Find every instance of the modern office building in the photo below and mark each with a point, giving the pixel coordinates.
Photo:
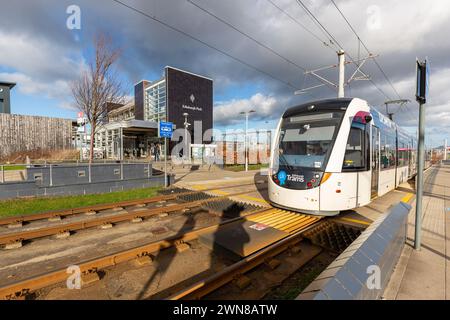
(177, 93)
(178, 96)
(5, 88)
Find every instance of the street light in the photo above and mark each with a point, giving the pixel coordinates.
(186, 125)
(245, 141)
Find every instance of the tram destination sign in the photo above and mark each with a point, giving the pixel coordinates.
(423, 78)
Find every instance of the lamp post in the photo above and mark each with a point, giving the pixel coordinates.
(245, 141)
(186, 125)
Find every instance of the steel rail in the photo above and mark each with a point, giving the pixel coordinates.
(22, 235)
(214, 282)
(100, 207)
(21, 288)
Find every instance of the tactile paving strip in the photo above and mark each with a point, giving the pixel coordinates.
(229, 208)
(287, 221)
(194, 197)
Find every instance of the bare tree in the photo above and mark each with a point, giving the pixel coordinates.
(97, 86)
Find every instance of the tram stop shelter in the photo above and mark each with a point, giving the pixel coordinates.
(127, 139)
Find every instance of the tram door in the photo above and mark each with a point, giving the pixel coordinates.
(375, 160)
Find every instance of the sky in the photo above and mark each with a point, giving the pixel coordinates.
(256, 51)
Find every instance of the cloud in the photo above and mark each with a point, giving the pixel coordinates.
(37, 46)
(57, 89)
(40, 67)
(228, 112)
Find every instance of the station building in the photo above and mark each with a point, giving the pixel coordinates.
(131, 128)
(5, 88)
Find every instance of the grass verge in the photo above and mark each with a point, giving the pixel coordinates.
(7, 167)
(241, 167)
(33, 205)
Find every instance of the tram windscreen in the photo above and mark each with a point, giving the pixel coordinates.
(306, 140)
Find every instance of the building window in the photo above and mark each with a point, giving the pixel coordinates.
(155, 102)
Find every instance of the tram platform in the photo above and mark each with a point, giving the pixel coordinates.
(425, 274)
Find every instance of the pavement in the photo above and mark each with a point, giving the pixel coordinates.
(218, 182)
(425, 274)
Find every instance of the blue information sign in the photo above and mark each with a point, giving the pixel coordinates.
(165, 129)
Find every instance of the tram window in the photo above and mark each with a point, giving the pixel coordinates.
(355, 150)
(383, 154)
(388, 152)
(402, 154)
(392, 152)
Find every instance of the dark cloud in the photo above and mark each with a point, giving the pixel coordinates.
(399, 31)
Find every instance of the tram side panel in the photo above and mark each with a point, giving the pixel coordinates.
(364, 188)
(386, 181)
(339, 192)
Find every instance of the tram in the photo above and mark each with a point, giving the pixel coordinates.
(337, 154)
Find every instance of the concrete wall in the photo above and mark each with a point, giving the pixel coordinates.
(352, 276)
(67, 181)
(10, 190)
(59, 175)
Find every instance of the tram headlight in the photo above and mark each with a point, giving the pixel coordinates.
(325, 177)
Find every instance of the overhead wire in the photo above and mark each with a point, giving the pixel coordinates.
(192, 37)
(312, 16)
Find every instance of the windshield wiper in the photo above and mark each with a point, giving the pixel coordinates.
(286, 163)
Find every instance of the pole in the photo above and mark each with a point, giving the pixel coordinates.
(445, 149)
(51, 175)
(165, 162)
(341, 59)
(245, 142)
(419, 179)
(121, 144)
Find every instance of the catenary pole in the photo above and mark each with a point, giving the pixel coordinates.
(419, 179)
(341, 59)
(421, 95)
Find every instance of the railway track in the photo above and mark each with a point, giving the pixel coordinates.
(90, 268)
(199, 199)
(169, 194)
(203, 287)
